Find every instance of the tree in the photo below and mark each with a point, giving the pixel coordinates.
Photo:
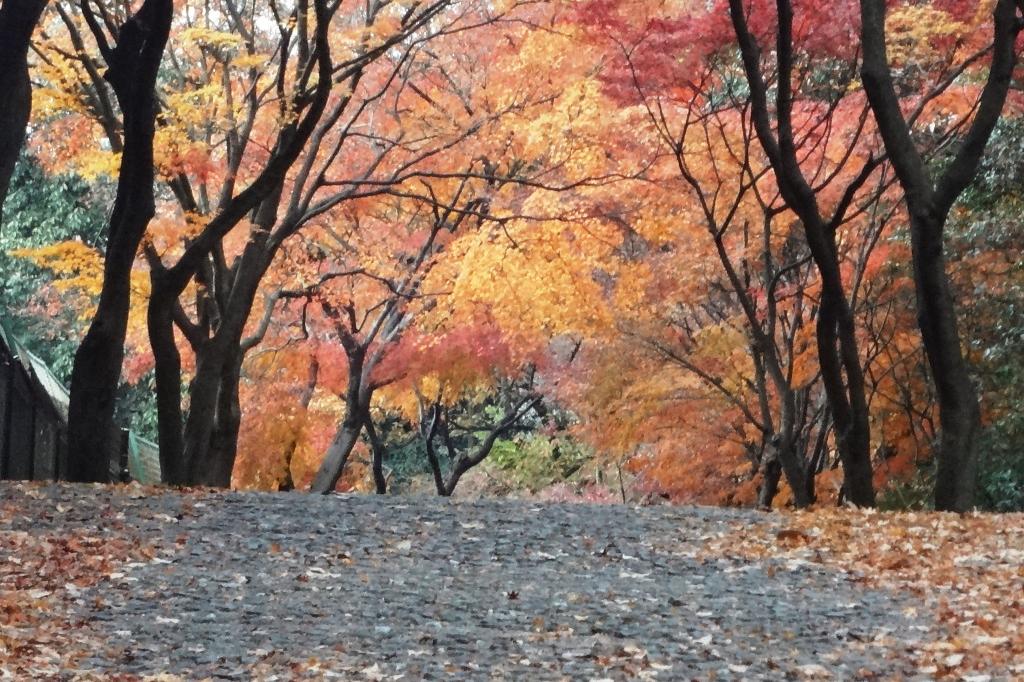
(468, 445)
(18, 19)
(706, 107)
(400, 115)
(838, 354)
(368, 335)
(929, 198)
(465, 384)
(132, 67)
(216, 337)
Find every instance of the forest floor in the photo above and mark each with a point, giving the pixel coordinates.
(125, 582)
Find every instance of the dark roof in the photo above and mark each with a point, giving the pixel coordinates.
(44, 380)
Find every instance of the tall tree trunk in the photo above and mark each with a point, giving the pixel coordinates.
(211, 429)
(133, 66)
(959, 412)
(204, 396)
(167, 371)
(214, 415)
(224, 437)
(929, 202)
(839, 358)
(18, 19)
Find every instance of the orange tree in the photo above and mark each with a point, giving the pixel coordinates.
(676, 68)
(268, 123)
(409, 111)
(819, 157)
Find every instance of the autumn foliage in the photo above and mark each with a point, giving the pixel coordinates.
(370, 217)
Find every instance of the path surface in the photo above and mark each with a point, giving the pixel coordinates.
(237, 586)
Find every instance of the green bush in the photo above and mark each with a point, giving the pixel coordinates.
(535, 461)
(1001, 471)
(913, 494)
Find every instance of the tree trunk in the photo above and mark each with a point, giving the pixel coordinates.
(929, 203)
(224, 438)
(18, 18)
(167, 370)
(380, 482)
(818, 457)
(356, 414)
(772, 473)
(429, 433)
(784, 451)
(959, 412)
(94, 381)
(132, 73)
(333, 466)
(214, 416)
(204, 398)
(847, 399)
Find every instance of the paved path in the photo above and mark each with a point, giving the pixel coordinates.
(283, 586)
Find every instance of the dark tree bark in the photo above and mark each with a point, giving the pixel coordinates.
(357, 407)
(18, 19)
(167, 370)
(378, 452)
(838, 355)
(211, 429)
(201, 447)
(214, 466)
(929, 201)
(132, 70)
(771, 469)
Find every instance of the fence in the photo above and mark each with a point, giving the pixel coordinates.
(34, 418)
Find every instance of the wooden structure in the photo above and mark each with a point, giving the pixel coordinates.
(33, 415)
(34, 418)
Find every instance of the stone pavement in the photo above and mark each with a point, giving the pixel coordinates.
(292, 586)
